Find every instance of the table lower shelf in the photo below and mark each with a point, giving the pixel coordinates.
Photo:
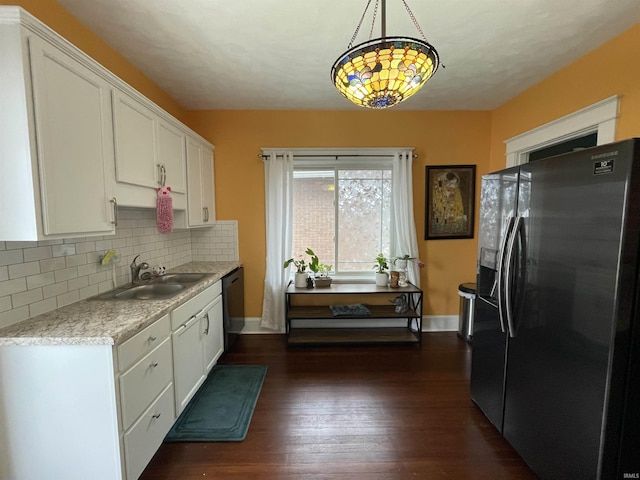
(324, 312)
(311, 336)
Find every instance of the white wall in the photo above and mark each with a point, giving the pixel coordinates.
(37, 277)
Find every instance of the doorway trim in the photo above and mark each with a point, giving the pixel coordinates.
(600, 117)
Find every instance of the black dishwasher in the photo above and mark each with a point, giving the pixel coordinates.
(233, 305)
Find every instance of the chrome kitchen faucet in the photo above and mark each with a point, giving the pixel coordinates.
(135, 270)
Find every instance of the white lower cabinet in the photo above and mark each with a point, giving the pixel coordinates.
(197, 342)
(145, 436)
(188, 361)
(142, 383)
(146, 394)
(213, 340)
(59, 413)
(99, 412)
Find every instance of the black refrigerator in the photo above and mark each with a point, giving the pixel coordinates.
(555, 360)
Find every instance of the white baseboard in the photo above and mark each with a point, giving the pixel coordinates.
(440, 323)
(430, 323)
(252, 326)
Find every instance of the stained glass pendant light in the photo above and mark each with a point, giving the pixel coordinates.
(385, 71)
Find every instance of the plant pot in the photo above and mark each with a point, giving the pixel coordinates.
(401, 267)
(382, 279)
(323, 282)
(300, 280)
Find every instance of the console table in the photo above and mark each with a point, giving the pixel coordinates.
(309, 319)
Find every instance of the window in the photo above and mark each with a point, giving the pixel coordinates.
(342, 211)
(366, 192)
(585, 141)
(599, 118)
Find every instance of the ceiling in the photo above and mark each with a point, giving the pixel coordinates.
(277, 54)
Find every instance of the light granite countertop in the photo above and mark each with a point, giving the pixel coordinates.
(108, 322)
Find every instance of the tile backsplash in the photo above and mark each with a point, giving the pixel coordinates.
(37, 277)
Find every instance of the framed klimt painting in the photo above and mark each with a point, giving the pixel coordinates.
(449, 201)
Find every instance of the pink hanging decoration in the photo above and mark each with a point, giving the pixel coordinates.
(165, 210)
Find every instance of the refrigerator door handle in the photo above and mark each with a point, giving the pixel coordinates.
(500, 282)
(508, 274)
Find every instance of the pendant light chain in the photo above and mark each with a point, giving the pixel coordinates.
(415, 22)
(355, 34)
(375, 13)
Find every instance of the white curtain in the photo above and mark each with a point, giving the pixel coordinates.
(404, 228)
(278, 175)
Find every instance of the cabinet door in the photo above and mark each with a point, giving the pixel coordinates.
(188, 361)
(208, 196)
(194, 193)
(201, 203)
(213, 338)
(135, 141)
(172, 156)
(74, 141)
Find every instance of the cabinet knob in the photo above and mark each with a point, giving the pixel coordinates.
(156, 415)
(154, 365)
(152, 339)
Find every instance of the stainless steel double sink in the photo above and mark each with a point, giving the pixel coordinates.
(158, 288)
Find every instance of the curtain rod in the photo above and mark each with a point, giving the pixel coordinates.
(279, 155)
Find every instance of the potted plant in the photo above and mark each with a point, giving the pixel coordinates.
(320, 270)
(314, 263)
(300, 280)
(401, 264)
(381, 266)
(323, 279)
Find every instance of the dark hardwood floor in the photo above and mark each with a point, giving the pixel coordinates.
(383, 412)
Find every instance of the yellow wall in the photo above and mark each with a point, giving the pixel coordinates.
(440, 138)
(61, 21)
(612, 69)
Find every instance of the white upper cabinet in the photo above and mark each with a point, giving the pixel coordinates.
(150, 151)
(201, 210)
(76, 141)
(134, 131)
(56, 146)
(172, 156)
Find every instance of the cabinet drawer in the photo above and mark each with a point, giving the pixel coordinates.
(142, 343)
(144, 381)
(195, 305)
(145, 436)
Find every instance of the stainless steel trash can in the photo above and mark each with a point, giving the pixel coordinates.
(467, 292)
